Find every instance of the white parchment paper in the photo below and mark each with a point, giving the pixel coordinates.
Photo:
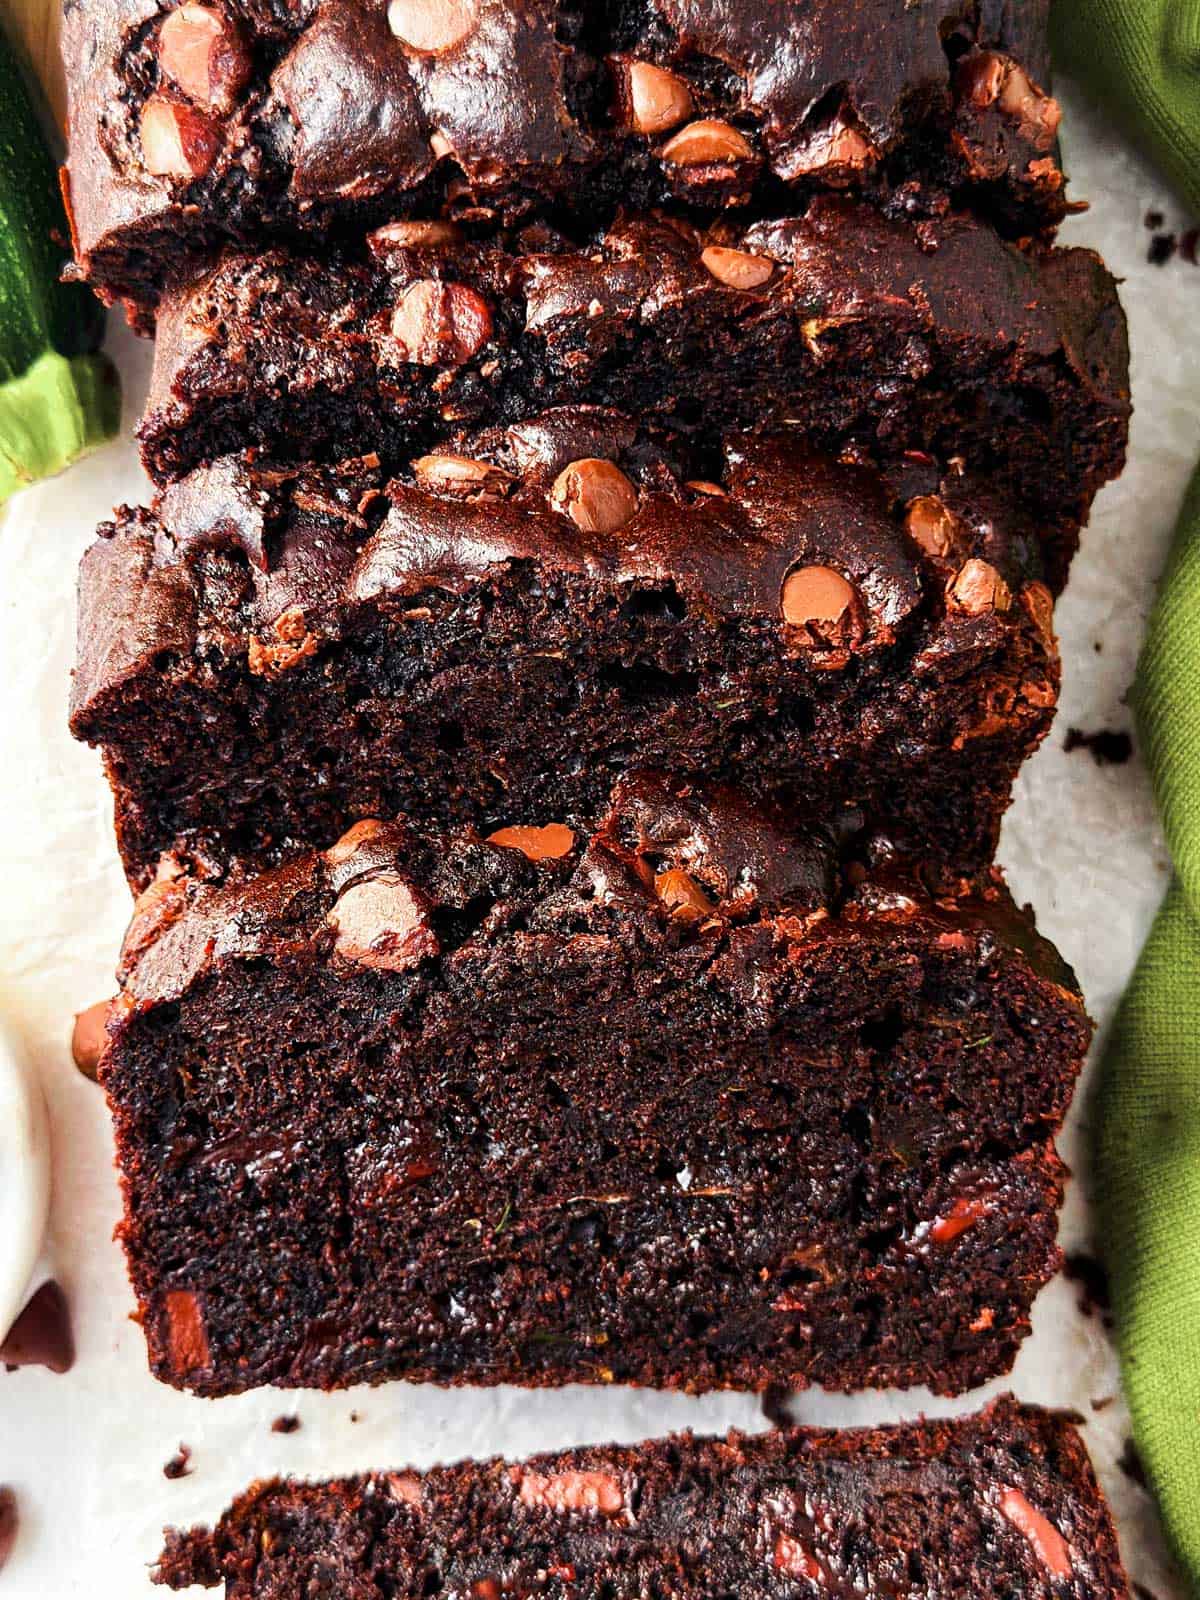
(85, 1452)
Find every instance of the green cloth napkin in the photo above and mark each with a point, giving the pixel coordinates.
(1142, 59)
(1147, 1137)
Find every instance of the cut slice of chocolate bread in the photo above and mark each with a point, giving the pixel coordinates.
(888, 335)
(983, 1507)
(198, 123)
(271, 654)
(687, 1103)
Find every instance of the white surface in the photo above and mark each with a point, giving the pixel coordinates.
(24, 1174)
(85, 1452)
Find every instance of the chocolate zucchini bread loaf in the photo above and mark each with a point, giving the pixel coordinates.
(694, 1101)
(241, 121)
(273, 653)
(985, 1507)
(889, 335)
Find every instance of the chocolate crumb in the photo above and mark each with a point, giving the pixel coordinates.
(1090, 1275)
(285, 1425)
(179, 1465)
(1187, 245)
(1108, 747)
(1154, 220)
(354, 1416)
(1103, 1403)
(774, 1405)
(1130, 1463)
(1162, 247)
(41, 1335)
(8, 1523)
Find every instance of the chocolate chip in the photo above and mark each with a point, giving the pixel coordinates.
(405, 1488)
(381, 922)
(837, 148)
(413, 236)
(362, 834)
(460, 476)
(822, 602)
(933, 527)
(179, 1466)
(737, 268)
(41, 1336)
(177, 140)
(980, 78)
(1037, 113)
(88, 1038)
(706, 143)
(1039, 603)
(595, 494)
(572, 1491)
(790, 1557)
(285, 1425)
(550, 843)
(292, 643)
(155, 909)
(202, 52)
(963, 1214)
(187, 1340)
(654, 99)
(433, 26)
(441, 324)
(682, 896)
(1051, 1549)
(978, 588)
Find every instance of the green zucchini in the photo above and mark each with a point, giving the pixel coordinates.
(59, 395)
